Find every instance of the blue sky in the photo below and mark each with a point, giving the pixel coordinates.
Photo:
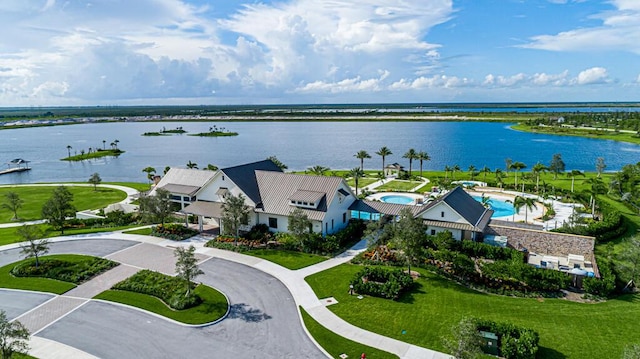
(130, 52)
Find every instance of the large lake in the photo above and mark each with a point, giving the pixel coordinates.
(297, 144)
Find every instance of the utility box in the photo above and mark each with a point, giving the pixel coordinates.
(490, 343)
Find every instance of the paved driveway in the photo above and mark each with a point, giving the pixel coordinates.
(263, 321)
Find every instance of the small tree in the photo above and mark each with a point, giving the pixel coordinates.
(557, 165)
(157, 207)
(13, 337)
(187, 266)
(34, 246)
(150, 171)
(95, 180)
(13, 203)
(356, 173)
(600, 165)
(59, 207)
(466, 342)
(409, 236)
(299, 224)
(234, 213)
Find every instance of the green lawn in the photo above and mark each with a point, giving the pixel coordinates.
(362, 182)
(36, 283)
(288, 259)
(567, 329)
(397, 185)
(337, 345)
(213, 307)
(142, 231)
(35, 196)
(136, 185)
(576, 132)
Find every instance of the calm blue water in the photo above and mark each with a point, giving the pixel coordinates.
(298, 144)
(397, 199)
(500, 208)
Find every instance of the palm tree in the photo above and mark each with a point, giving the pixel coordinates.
(150, 171)
(447, 169)
(454, 169)
(361, 155)
(499, 177)
(472, 171)
(537, 169)
(485, 201)
(485, 170)
(356, 173)
(318, 170)
(192, 165)
(115, 143)
(527, 203)
(517, 166)
(410, 155)
(422, 156)
(69, 150)
(384, 152)
(104, 144)
(573, 174)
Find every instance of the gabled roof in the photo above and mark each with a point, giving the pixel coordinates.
(276, 188)
(181, 189)
(392, 209)
(184, 177)
(244, 177)
(460, 201)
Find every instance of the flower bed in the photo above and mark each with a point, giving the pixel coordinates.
(76, 271)
(171, 290)
(380, 282)
(173, 231)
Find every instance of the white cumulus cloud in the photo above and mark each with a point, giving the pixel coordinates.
(594, 75)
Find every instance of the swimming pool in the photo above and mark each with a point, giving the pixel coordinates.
(397, 199)
(500, 208)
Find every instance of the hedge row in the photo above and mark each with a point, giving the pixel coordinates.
(173, 231)
(170, 290)
(379, 282)
(513, 342)
(74, 272)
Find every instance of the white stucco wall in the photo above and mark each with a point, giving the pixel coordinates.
(208, 193)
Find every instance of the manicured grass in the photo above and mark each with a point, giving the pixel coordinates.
(567, 329)
(92, 155)
(142, 231)
(362, 182)
(213, 307)
(288, 259)
(397, 185)
(136, 185)
(8, 235)
(337, 345)
(35, 196)
(7, 280)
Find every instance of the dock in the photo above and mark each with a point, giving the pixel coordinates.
(15, 169)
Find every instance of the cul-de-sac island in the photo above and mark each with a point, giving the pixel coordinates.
(407, 254)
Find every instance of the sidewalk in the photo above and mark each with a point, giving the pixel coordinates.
(56, 308)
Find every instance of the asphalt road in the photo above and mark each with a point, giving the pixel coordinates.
(15, 303)
(263, 321)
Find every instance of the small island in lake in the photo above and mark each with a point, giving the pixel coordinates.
(215, 132)
(95, 152)
(165, 132)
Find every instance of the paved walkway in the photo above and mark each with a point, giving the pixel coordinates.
(139, 256)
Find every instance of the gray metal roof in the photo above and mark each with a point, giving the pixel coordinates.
(181, 189)
(203, 208)
(276, 188)
(307, 196)
(185, 177)
(392, 209)
(244, 176)
(449, 225)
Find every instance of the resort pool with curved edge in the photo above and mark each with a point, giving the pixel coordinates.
(397, 199)
(500, 208)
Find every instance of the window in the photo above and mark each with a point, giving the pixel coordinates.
(176, 197)
(344, 217)
(186, 198)
(273, 222)
(326, 227)
(433, 232)
(332, 224)
(223, 178)
(442, 214)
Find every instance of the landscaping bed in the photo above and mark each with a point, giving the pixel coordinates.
(72, 269)
(173, 231)
(382, 283)
(165, 295)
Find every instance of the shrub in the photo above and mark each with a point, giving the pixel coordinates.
(173, 231)
(66, 271)
(603, 286)
(379, 282)
(513, 342)
(171, 290)
(259, 233)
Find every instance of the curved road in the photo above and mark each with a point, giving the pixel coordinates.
(263, 321)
